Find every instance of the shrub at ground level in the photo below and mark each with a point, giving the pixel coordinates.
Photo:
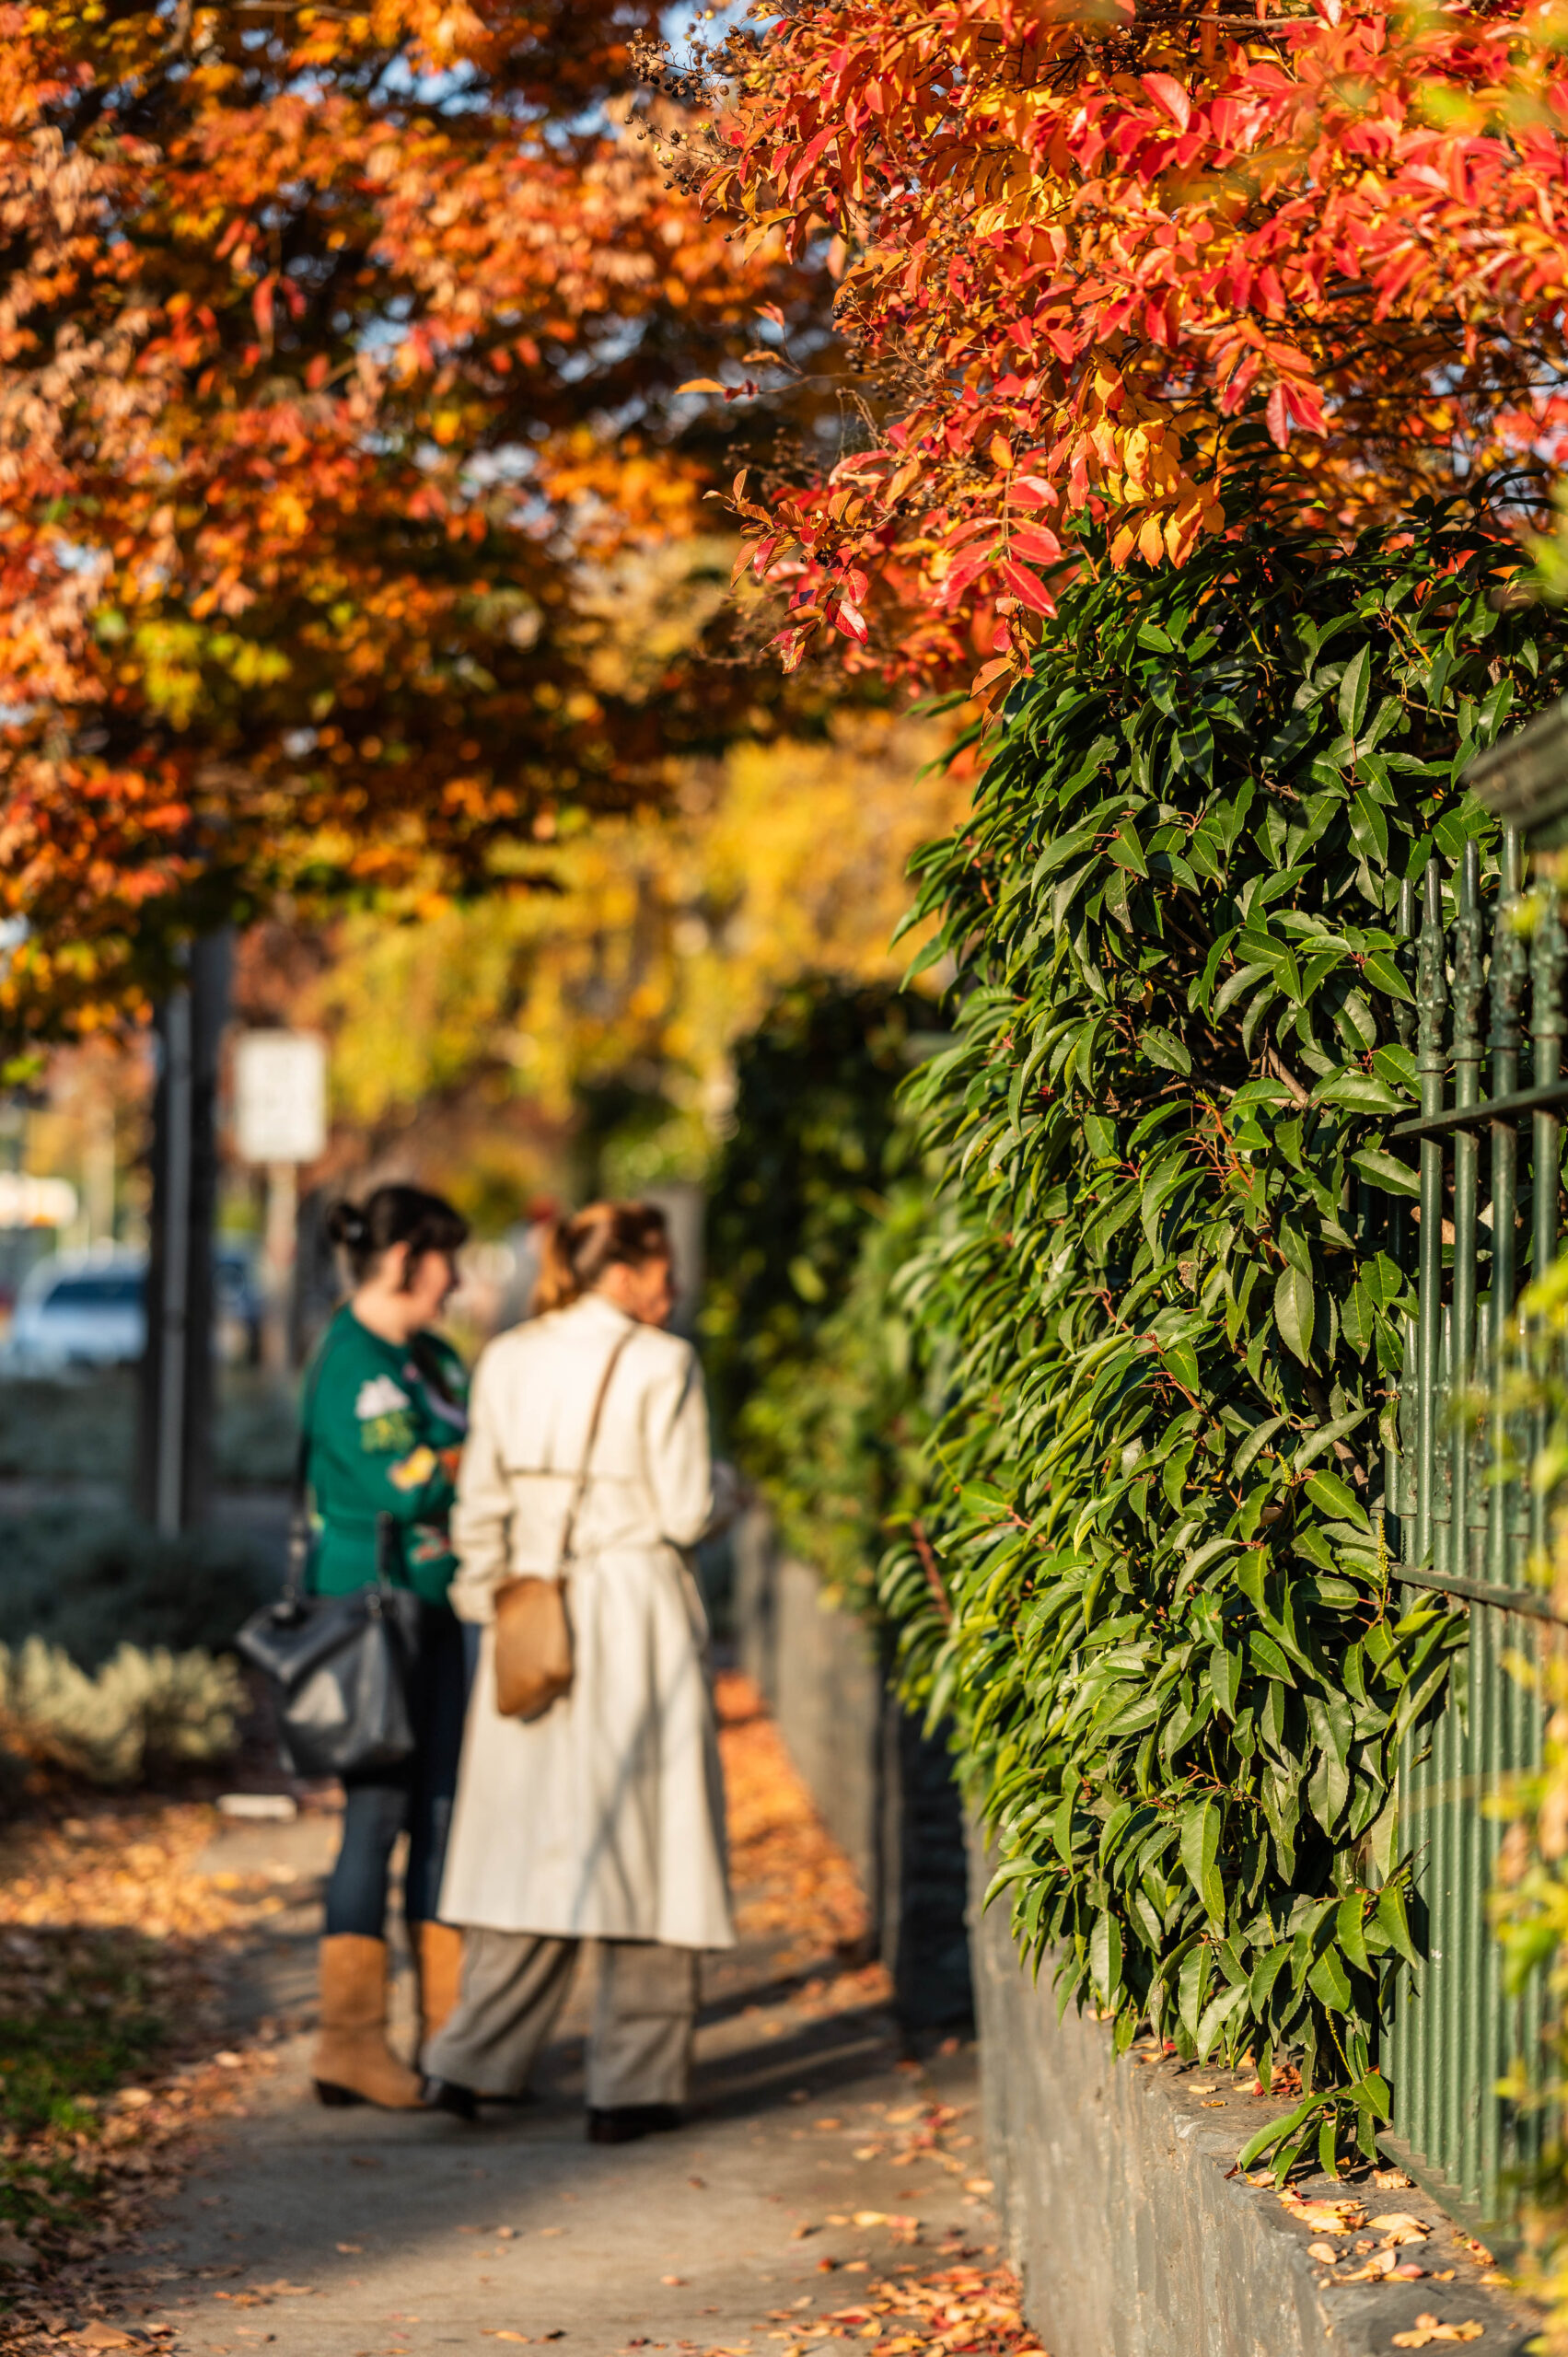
(141, 1711)
(90, 1582)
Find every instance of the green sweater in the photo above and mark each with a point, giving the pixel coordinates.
(382, 1441)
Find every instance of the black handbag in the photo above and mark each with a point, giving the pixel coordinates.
(340, 1663)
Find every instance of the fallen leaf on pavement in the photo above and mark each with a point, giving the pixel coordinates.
(1427, 2330)
(1392, 2180)
(104, 2335)
(980, 2185)
(798, 2233)
(870, 2218)
(1324, 2251)
(672, 2279)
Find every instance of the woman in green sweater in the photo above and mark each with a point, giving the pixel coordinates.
(384, 1423)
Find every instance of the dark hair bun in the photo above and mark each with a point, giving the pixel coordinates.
(346, 1224)
(395, 1215)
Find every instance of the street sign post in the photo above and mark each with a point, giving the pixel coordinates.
(280, 1108)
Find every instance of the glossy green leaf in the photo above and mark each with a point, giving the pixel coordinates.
(1296, 1312)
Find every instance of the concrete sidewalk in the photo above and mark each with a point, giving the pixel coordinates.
(334, 2233)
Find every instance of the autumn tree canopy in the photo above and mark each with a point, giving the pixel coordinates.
(1102, 255)
(336, 362)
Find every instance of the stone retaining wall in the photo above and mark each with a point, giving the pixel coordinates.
(1123, 2215)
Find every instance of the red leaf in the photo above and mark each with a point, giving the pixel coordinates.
(1168, 93)
(1027, 587)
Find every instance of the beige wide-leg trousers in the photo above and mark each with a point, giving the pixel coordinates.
(514, 1986)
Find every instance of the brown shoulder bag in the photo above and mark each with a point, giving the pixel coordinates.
(533, 1628)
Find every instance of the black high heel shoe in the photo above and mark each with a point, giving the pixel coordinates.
(627, 2121)
(446, 2095)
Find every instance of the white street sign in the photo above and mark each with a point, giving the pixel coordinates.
(280, 1088)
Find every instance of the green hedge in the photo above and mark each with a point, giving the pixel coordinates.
(815, 1203)
(1163, 1619)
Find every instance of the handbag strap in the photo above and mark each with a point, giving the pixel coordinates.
(300, 1488)
(568, 1528)
(300, 1498)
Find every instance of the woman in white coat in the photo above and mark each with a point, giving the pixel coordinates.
(602, 1819)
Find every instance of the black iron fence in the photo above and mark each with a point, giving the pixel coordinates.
(1487, 1030)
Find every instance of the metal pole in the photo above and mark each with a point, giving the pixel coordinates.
(174, 1295)
(282, 1249)
(178, 1389)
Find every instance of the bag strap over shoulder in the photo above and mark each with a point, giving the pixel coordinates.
(568, 1528)
(300, 1488)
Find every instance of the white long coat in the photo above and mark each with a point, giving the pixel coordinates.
(604, 1818)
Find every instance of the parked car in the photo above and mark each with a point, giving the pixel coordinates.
(79, 1309)
(84, 1309)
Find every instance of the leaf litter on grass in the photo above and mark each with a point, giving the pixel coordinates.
(111, 1950)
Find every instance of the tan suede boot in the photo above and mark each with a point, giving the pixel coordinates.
(439, 1953)
(354, 2062)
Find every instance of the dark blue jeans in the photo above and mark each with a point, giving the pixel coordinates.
(416, 1798)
